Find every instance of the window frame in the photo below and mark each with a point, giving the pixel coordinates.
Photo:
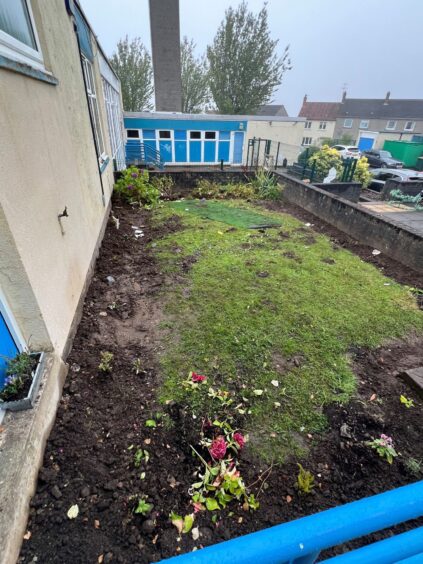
(307, 124)
(304, 144)
(15, 49)
(393, 128)
(364, 121)
(413, 125)
(133, 136)
(166, 138)
(322, 125)
(350, 121)
(94, 108)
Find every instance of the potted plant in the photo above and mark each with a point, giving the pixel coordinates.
(23, 377)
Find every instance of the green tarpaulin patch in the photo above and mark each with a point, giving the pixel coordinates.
(219, 211)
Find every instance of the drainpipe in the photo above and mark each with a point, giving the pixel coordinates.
(89, 113)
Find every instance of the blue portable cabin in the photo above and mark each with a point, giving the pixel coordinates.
(184, 139)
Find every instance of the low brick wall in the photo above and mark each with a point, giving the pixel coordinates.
(397, 242)
(188, 179)
(348, 190)
(411, 188)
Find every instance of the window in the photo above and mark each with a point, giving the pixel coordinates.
(210, 135)
(115, 124)
(409, 126)
(94, 111)
(307, 125)
(164, 134)
(18, 36)
(307, 141)
(348, 123)
(364, 124)
(133, 133)
(391, 125)
(322, 125)
(195, 135)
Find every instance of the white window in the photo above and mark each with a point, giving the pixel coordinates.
(307, 125)
(307, 141)
(391, 125)
(409, 126)
(348, 123)
(364, 124)
(18, 36)
(115, 124)
(322, 125)
(95, 114)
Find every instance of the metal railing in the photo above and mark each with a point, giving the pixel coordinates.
(302, 540)
(139, 153)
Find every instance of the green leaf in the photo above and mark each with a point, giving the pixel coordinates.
(212, 504)
(188, 523)
(150, 423)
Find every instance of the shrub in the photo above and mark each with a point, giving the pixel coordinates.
(240, 191)
(164, 185)
(265, 185)
(361, 173)
(19, 371)
(207, 189)
(325, 159)
(307, 153)
(134, 187)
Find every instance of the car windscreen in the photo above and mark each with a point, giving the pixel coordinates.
(353, 149)
(385, 154)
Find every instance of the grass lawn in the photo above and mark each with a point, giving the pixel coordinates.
(270, 317)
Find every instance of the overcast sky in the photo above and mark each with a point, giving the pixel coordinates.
(371, 46)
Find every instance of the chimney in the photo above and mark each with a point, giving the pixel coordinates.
(305, 99)
(388, 95)
(344, 96)
(165, 47)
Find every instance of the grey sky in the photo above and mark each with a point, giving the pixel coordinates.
(370, 45)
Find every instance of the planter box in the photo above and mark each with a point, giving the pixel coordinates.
(28, 401)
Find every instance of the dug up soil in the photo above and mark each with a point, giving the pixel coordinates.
(89, 460)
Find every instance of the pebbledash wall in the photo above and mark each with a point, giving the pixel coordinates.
(205, 139)
(61, 136)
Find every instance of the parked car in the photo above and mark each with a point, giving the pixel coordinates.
(380, 158)
(348, 151)
(381, 175)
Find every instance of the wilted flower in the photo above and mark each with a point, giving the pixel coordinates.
(134, 175)
(240, 439)
(197, 377)
(218, 448)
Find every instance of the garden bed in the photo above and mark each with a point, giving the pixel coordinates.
(163, 307)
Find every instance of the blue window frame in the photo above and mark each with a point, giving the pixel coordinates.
(8, 348)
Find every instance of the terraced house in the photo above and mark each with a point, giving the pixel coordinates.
(320, 121)
(61, 140)
(373, 121)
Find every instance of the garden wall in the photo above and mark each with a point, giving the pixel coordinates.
(397, 242)
(187, 179)
(348, 190)
(409, 188)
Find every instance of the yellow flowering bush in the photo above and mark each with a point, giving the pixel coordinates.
(325, 159)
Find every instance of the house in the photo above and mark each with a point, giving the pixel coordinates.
(166, 138)
(320, 121)
(61, 138)
(371, 122)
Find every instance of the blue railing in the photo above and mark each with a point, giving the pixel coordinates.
(302, 540)
(139, 153)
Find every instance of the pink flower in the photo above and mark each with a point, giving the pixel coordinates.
(197, 377)
(240, 439)
(387, 441)
(218, 448)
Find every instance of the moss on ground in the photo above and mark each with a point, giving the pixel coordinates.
(281, 306)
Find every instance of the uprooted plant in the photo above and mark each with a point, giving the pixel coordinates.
(384, 446)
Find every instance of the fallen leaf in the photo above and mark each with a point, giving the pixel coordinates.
(288, 499)
(373, 397)
(147, 441)
(220, 232)
(375, 252)
(27, 535)
(258, 392)
(73, 511)
(275, 383)
(195, 533)
(240, 520)
(309, 436)
(96, 524)
(277, 404)
(155, 539)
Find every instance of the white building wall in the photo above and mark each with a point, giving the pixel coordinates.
(288, 132)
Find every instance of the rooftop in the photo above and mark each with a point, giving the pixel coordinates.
(327, 111)
(208, 117)
(272, 110)
(381, 108)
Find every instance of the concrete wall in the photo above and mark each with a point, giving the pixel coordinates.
(379, 126)
(403, 245)
(289, 133)
(347, 190)
(409, 188)
(165, 44)
(48, 161)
